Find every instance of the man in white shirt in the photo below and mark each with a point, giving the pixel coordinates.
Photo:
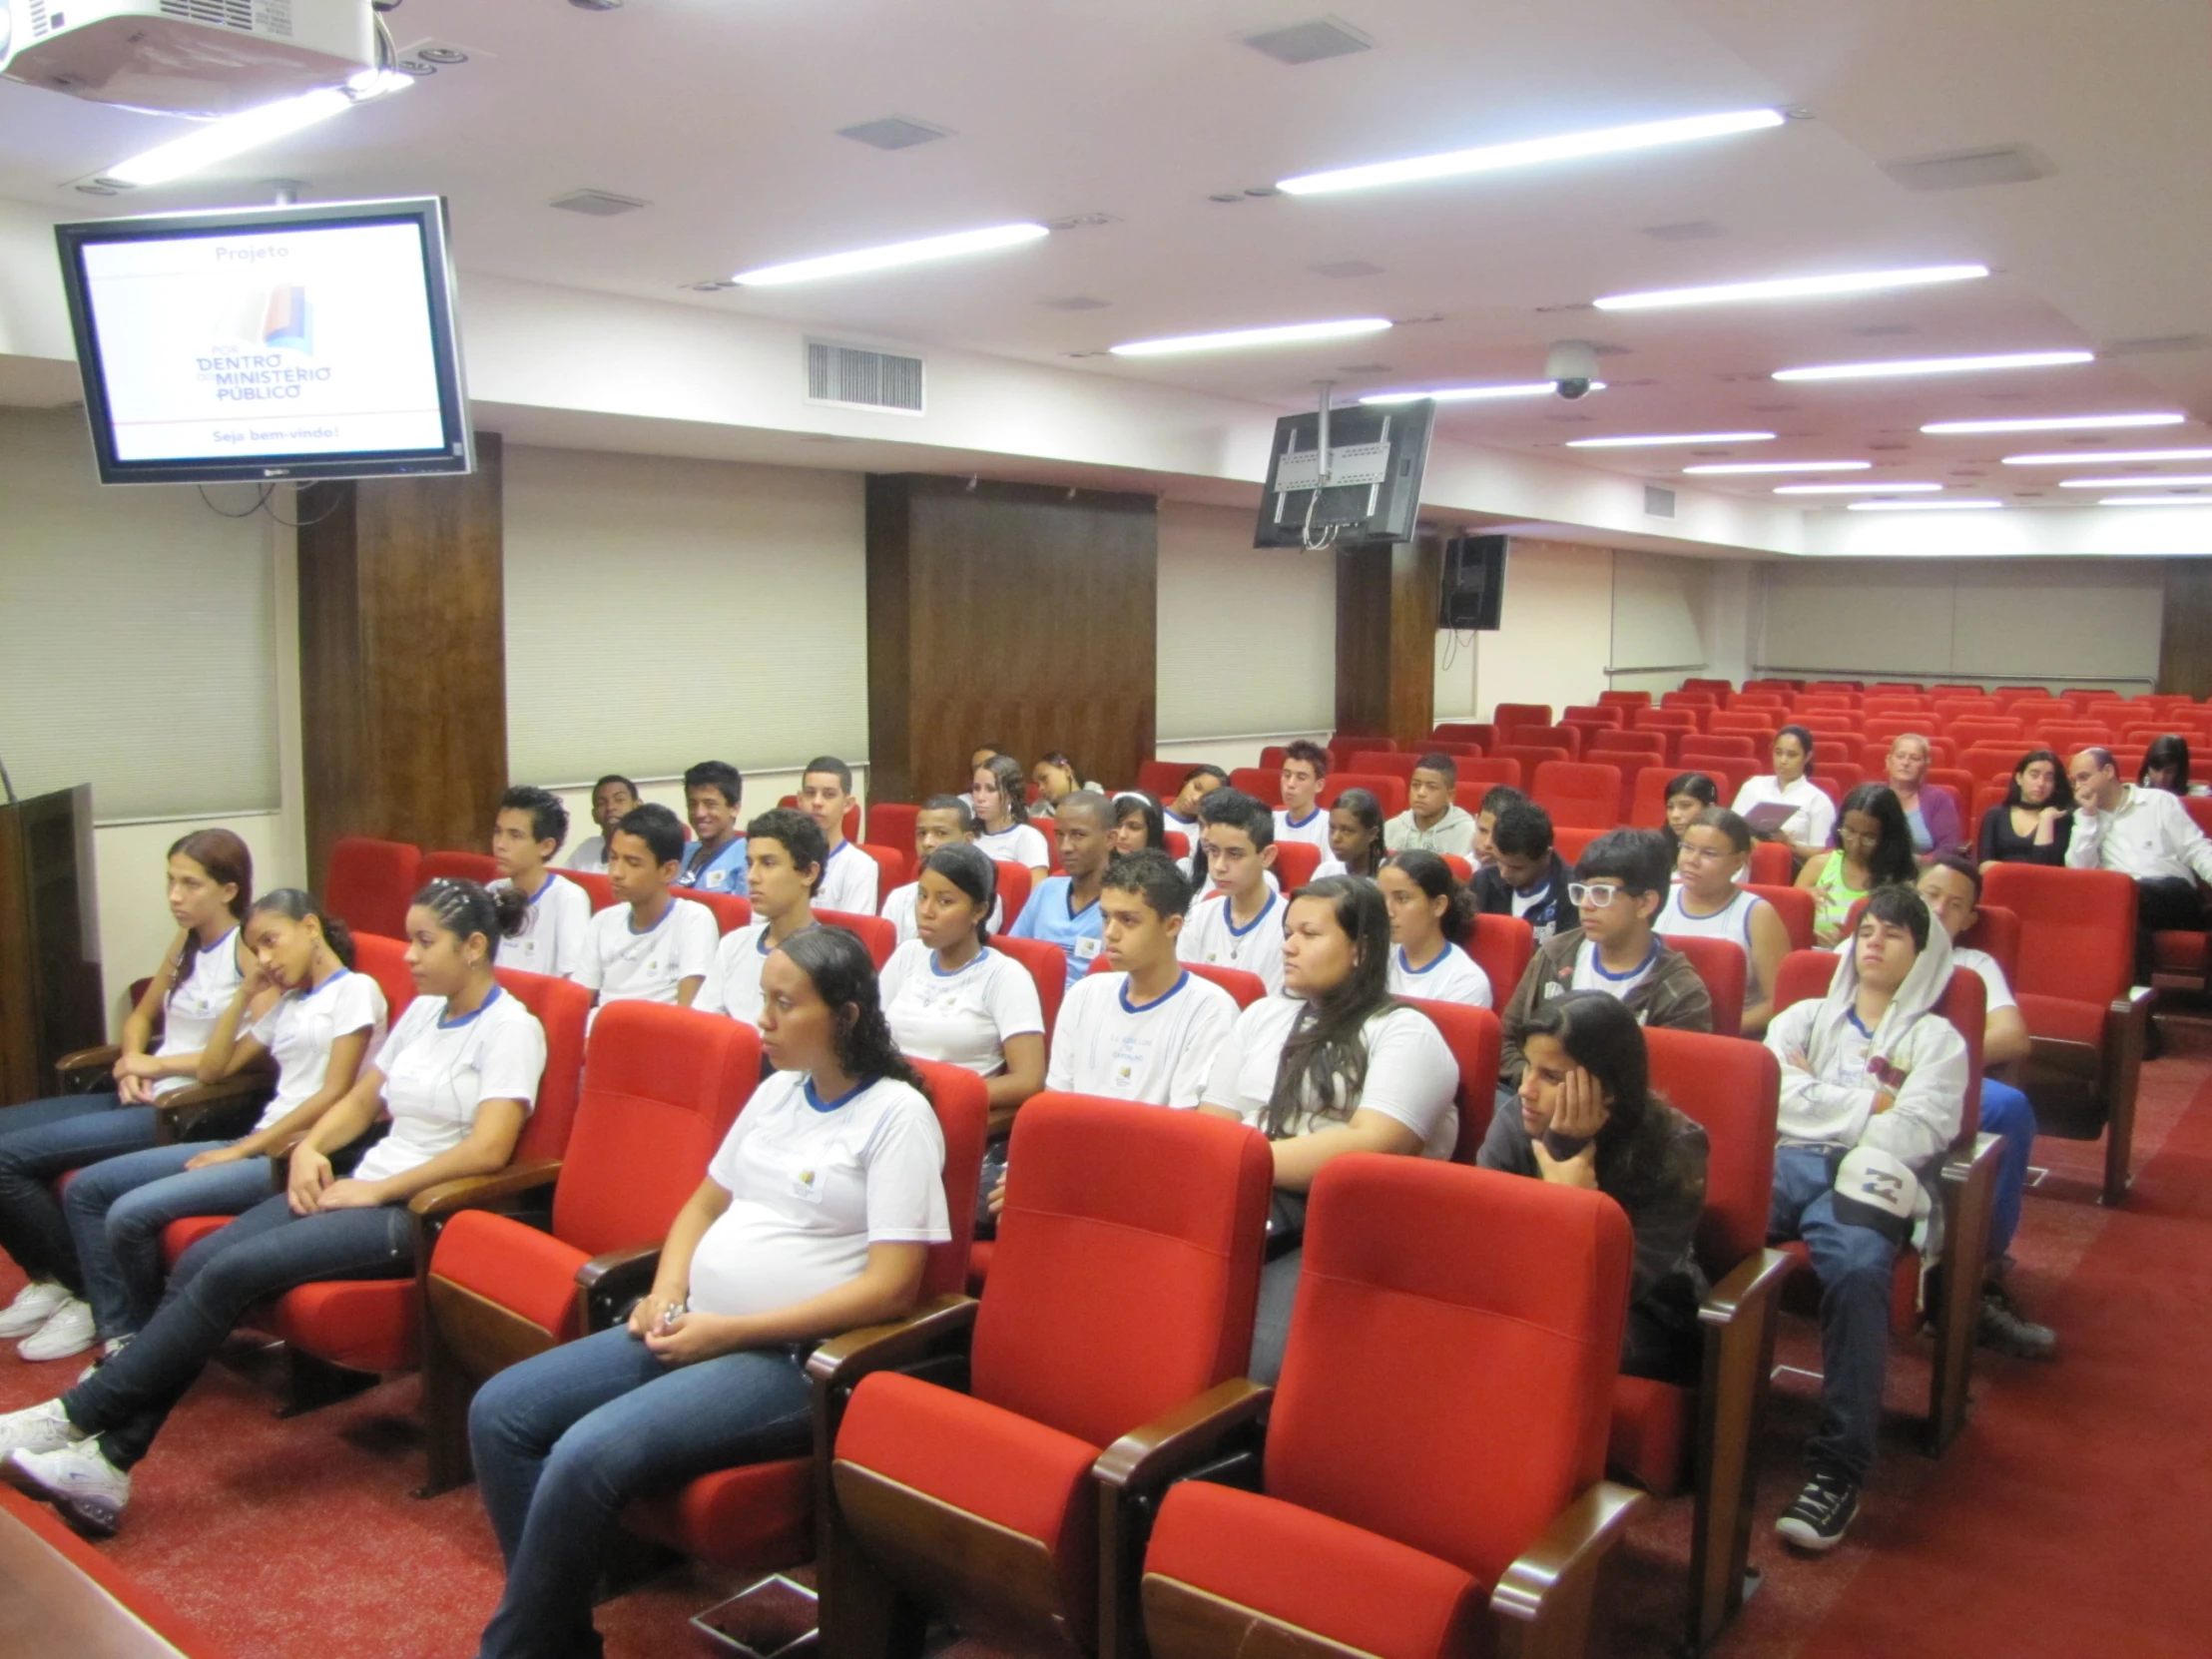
(2144, 834)
(849, 878)
(525, 835)
(1304, 765)
(650, 945)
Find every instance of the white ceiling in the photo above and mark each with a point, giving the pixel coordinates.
(723, 115)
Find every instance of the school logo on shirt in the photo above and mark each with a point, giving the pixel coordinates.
(804, 1187)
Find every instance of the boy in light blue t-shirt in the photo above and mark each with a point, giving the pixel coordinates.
(1064, 908)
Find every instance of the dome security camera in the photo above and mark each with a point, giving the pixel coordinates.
(1571, 366)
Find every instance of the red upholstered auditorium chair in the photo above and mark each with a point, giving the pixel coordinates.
(1696, 748)
(480, 868)
(1772, 864)
(1015, 882)
(1593, 714)
(2087, 1021)
(1263, 784)
(1345, 745)
(894, 864)
(762, 1516)
(1104, 1363)
(1965, 1187)
(1507, 715)
(1478, 778)
(732, 910)
(2181, 958)
(1665, 1436)
(374, 1326)
(1162, 779)
(1443, 1507)
(1579, 795)
(891, 823)
(1247, 988)
(1386, 765)
(881, 938)
(1570, 738)
(1390, 791)
(1477, 1042)
(1295, 864)
(1483, 732)
(1619, 741)
(1501, 947)
(1529, 755)
(1048, 969)
(369, 884)
(1794, 906)
(1571, 841)
(852, 818)
(1668, 720)
(601, 889)
(1721, 964)
(1629, 698)
(660, 1087)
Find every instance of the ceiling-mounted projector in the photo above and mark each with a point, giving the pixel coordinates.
(186, 57)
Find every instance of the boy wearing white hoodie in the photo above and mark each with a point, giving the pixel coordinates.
(1874, 1085)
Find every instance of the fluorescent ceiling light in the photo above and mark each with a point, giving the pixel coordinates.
(2156, 501)
(1792, 288)
(1286, 334)
(1936, 366)
(1779, 466)
(1494, 157)
(890, 255)
(1918, 506)
(1469, 394)
(2146, 482)
(1648, 438)
(1855, 489)
(219, 140)
(2108, 457)
(2051, 423)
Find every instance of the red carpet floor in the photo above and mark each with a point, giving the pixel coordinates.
(2072, 1516)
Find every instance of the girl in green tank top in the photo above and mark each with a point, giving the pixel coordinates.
(1874, 847)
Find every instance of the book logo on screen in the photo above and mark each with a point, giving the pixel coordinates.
(265, 347)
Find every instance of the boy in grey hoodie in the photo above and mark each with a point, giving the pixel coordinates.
(1874, 1085)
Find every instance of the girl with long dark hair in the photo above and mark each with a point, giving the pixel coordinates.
(1330, 1065)
(1431, 919)
(1813, 816)
(210, 884)
(1003, 829)
(1873, 847)
(2033, 825)
(1588, 1118)
(759, 1268)
(1355, 835)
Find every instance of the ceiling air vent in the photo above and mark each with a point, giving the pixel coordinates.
(857, 379)
(1324, 37)
(234, 14)
(2009, 164)
(597, 203)
(1658, 502)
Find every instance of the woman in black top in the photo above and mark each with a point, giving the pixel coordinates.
(1587, 1118)
(2036, 823)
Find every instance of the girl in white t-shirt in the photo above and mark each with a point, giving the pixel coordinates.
(1003, 829)
(1355, 835)
(948, 996)
(458, 1077)
(1432, 918)
(210, 883)
(814, 1217)
(325, 1022)
(1808, 827)
(1333, 1066)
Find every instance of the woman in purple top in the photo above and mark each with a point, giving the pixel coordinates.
(1929, 812)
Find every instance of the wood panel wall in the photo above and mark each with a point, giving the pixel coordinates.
(1012, 613)
(1386, 600)
(402, 659)
(2185, 634)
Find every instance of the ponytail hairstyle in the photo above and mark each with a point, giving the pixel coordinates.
(1014, 787)
(465, 910)
(1427, 872)
(296, 906)
(1325, 1063)
(844, 976)
(969, 868)
(1363, 805)
(1639, 1152)
(228, 862)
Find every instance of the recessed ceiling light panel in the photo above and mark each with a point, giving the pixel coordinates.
(921, 252)
(2107, 457)
(1472, 394)
(1792, 288)
(1937, 365)
(2148, 481)
(2156, 501)
(1919, 506)
(1781, 466)
(2049, 423)
(1650, 439)
(1233, 339)
(1868, 488)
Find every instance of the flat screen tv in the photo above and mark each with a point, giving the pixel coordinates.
(269, 344)
(1376, 456)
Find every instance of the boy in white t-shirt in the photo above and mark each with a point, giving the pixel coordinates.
(650, 946)
(611, 797)
(786, 853)
(848, 875)
(1244, 928)
(941, 818)
(525, 835)
(1304, 765)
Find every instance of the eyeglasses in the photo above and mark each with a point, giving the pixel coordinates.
(1581, 893)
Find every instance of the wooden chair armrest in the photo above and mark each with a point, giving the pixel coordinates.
(2127, 1027)
(1748, 1291)
(616, 1277)
(241, 1085)
(841, 1363)
(1544, 1601)
(1154, 1454)
(474, 1192)
(1966, 1165)
(101, 1058)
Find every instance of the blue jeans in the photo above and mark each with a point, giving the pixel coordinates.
(267, 1249)
(564, 1440)
(2007, 1114)
(40, 1140)
(1855, 1265)
(116, 1211)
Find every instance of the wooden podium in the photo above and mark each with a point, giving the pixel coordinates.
(49, 939)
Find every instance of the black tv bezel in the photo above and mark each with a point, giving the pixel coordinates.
(457, 453)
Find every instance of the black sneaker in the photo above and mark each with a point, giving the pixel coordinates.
(1822, 1513)
(2001, 1326)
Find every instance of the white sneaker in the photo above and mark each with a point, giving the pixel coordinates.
(68, 1331)
(77, 1481)
(33, 1305)
(37, 1429)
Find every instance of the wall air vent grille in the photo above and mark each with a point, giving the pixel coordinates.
(1658, 502)
(859, 378)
